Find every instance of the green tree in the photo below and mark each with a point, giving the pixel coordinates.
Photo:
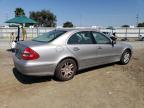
(125, 25)
(68, 24)
(140, 24)
(45, 18)
(19, 12)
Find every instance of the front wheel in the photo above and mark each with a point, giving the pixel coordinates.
(66, 70)
(125, 58)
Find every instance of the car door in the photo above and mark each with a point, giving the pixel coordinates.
(105, 51)
(82, 45)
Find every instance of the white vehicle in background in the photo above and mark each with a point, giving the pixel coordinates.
(6, 26)
(13, 45)
(141, 37)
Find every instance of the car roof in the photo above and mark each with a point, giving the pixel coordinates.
(76, 29)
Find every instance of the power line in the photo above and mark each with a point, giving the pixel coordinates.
(137, 19)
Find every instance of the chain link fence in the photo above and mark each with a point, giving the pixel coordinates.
(33, 32)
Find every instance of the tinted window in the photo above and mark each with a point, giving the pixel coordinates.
(100, 38)
(81, 38)
(49, 36)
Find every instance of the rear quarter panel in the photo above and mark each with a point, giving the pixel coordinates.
(52, 53)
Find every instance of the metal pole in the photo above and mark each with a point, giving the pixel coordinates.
(126, 33)
(32, 32)
(37, 31)
(137, 20)
(139, 32)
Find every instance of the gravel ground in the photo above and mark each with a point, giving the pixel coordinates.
(109, 86)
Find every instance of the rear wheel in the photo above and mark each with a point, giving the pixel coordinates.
(125, 58)
(66, 70)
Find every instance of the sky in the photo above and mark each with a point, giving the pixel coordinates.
(80, 12)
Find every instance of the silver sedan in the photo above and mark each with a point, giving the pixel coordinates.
(63, 52)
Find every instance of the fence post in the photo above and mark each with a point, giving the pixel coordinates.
(32, 32)
(139, 31)
(126, 33)
(45, 29)
(0, 32)
(37, 30)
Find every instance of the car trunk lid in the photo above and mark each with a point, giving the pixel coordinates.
(20, 47)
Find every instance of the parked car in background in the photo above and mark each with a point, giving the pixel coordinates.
(141, 37)
(63, 52)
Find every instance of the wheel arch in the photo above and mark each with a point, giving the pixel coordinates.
(128, 49)
(69, 57)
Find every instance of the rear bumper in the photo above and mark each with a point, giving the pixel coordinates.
(34, 68)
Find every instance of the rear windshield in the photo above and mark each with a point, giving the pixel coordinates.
(49, 36)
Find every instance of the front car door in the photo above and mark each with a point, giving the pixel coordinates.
(82, 45)
(105, 51)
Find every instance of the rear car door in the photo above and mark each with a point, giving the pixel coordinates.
(105, 51)
(82, 45)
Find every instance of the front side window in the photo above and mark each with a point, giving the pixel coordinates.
(100, 38)
(49, 36)
(81, 38)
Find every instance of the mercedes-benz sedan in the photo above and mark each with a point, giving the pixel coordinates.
(63, 52)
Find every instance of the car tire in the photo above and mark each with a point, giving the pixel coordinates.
(66, 70)
(143, 39)
(125, 58)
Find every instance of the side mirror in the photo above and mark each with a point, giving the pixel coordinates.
(113, 42)
(113, 38)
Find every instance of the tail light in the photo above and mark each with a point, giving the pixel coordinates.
(29, 54)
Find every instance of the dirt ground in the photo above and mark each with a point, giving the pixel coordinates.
(109, 86)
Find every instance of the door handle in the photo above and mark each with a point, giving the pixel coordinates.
(76, 49)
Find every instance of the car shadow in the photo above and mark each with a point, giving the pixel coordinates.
(94, 68)
(30, 79)
(11, 50)
(33, 79)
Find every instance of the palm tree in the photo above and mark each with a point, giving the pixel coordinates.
(19, 12)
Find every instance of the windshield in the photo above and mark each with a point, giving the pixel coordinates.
(49, 36)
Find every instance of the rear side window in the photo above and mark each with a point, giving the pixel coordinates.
(100, 38)
(49, 36)
(81, 38)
